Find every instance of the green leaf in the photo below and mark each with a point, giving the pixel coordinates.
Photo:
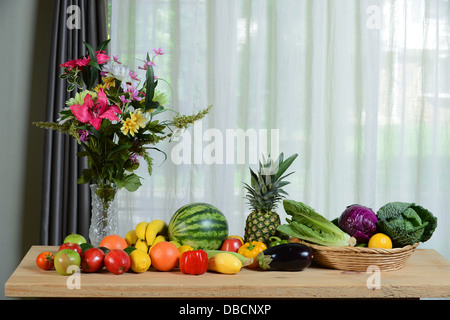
(94, 67)
(159, 109)
(103, 45)
(154, 148)
(93, 62)
(131, 182)
(284, 165)
(150, 86)
(149, 161)
(86, 176)
(118, 148)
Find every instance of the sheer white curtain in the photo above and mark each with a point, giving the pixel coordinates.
(359, 89)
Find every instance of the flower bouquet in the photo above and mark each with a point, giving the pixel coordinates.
(113, 116)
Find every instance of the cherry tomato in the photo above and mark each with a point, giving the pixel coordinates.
(45, 260)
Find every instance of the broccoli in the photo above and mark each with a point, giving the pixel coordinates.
(405, 223)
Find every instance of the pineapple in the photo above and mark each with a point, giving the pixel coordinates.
(263, 195)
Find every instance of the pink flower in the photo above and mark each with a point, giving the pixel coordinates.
(133, 75)
(133, 92)
(94, 113)
(116, 59)
(124, 99)
(101, 57)
(146, 64)
(158, 52)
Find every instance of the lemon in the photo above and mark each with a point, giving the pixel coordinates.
(140, 261)
(380, 240)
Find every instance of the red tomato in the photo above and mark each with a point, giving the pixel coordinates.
(194, 262)
(231, 244)
(45, 260)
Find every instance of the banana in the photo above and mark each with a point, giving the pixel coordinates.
(131, 238)
(141, 245)
(141, 227)
(159, 238)
(154, 228)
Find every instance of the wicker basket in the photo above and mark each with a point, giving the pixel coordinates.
(360, 258)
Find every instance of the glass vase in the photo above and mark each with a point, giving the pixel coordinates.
(104, 212)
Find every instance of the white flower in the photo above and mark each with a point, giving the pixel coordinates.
(119, 71)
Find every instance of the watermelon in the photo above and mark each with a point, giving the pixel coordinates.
(199, 225)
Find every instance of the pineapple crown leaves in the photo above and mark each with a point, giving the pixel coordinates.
(265, 189)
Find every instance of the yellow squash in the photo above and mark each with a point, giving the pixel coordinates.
(224, 263)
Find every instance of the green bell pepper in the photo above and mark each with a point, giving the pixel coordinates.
(274, 241)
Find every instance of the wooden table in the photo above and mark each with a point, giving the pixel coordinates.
(426, 274)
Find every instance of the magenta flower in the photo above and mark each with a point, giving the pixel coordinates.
(84, 135)
(76, 64)
(83, 62)
(94, 113)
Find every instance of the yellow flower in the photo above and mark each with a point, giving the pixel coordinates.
(129, 126)
(139, 118)
(109, 80)
(132, 124)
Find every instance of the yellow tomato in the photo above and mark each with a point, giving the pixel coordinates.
(380, 240)
(184, 248)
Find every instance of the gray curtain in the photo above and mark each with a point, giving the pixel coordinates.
(65, 204)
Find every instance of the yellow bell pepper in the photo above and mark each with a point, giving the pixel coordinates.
(251, 250)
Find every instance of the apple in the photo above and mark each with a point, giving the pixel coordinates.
(117, 261)
(66, 258)
(231, 244)
(75, 238)
(72, 246)
(92, 260)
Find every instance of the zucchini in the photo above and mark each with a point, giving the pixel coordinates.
(244, 260)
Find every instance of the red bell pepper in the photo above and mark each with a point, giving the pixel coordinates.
(194, 262)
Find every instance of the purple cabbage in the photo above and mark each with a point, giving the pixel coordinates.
(359, 222)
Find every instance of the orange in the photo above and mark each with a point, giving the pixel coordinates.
(113, 241)
(380, 240)
(164, 256)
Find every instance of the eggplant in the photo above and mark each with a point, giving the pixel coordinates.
(285, 257)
